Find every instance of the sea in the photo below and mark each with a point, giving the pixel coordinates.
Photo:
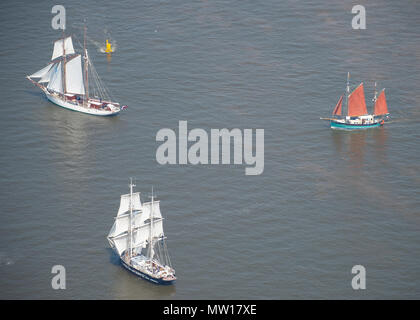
(327, 200)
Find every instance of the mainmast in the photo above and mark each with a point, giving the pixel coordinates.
(86, 102)
(64, 65)
(375, 94)
(347, 92)
(130, 236)
(150, 230)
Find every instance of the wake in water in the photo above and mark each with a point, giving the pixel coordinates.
(5, 260)
(101, 46)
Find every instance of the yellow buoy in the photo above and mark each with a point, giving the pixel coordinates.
(108, 47)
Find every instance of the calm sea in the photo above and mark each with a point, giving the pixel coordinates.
(326, 201)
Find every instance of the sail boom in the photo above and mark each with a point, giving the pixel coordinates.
(126, 214)
(123, 232)
(148, 224)
(146, 242)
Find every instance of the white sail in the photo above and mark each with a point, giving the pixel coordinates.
(146, 211)
(42, 72)
(47, 76)
(157, 230)
(58, 48)
(141, 236)
(111, 232)
(74, 76)
(120, 225)
(122, 219)
(120, 243)
(56, 80)
(145, 227)
(136, 201)
(125, 203)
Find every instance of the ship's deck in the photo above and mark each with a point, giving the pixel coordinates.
(153, 268)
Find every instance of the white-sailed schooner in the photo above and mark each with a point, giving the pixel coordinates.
(137, 237)
(65, 81)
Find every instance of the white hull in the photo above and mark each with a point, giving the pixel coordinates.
(75, 107)
(361, 120)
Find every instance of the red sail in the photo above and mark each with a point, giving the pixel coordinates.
(380, 107)
(337, 109)
(357, 103)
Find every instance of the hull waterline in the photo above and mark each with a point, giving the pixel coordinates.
(347, 126)
(146, 276)
(70, 106)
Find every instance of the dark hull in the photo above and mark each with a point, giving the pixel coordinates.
(146, 276)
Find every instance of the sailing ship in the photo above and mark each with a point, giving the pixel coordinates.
(357, 116)
(65, 81)
(137, 237)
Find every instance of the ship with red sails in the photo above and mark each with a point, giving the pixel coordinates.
(353, 113)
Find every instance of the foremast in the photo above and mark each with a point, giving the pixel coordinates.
(347, 93)
(375, 94)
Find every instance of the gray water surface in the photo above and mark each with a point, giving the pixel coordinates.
(326, 201)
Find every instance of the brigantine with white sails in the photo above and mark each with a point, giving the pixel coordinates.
(357, 116)
(137, 237)
(65, 81)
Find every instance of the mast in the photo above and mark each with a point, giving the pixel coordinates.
(130, 236)
(64, 65)
(347, 92)
(375, 91)
(150, 230)
(374, 99)
(86, 102)
(375, 94)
